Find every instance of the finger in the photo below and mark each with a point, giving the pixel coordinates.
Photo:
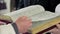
(58, 26)
(28, 22)
(23, 17)
(53, 30)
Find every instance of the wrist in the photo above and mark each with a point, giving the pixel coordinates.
(20, 27)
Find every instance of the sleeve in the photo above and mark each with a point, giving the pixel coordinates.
(9, 29)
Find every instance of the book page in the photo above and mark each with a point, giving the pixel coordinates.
(28, 11)
(43, 16)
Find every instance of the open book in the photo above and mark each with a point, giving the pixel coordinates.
(41, 19)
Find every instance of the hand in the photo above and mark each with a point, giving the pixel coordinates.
(56, 30)
(23, 24)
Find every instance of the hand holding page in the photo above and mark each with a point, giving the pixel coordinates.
(41, 19)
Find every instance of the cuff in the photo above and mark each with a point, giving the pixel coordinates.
(15, 28)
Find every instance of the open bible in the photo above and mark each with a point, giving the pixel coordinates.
(42, 20)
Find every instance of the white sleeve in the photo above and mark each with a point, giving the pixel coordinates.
(57, 9)
(9, 29)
